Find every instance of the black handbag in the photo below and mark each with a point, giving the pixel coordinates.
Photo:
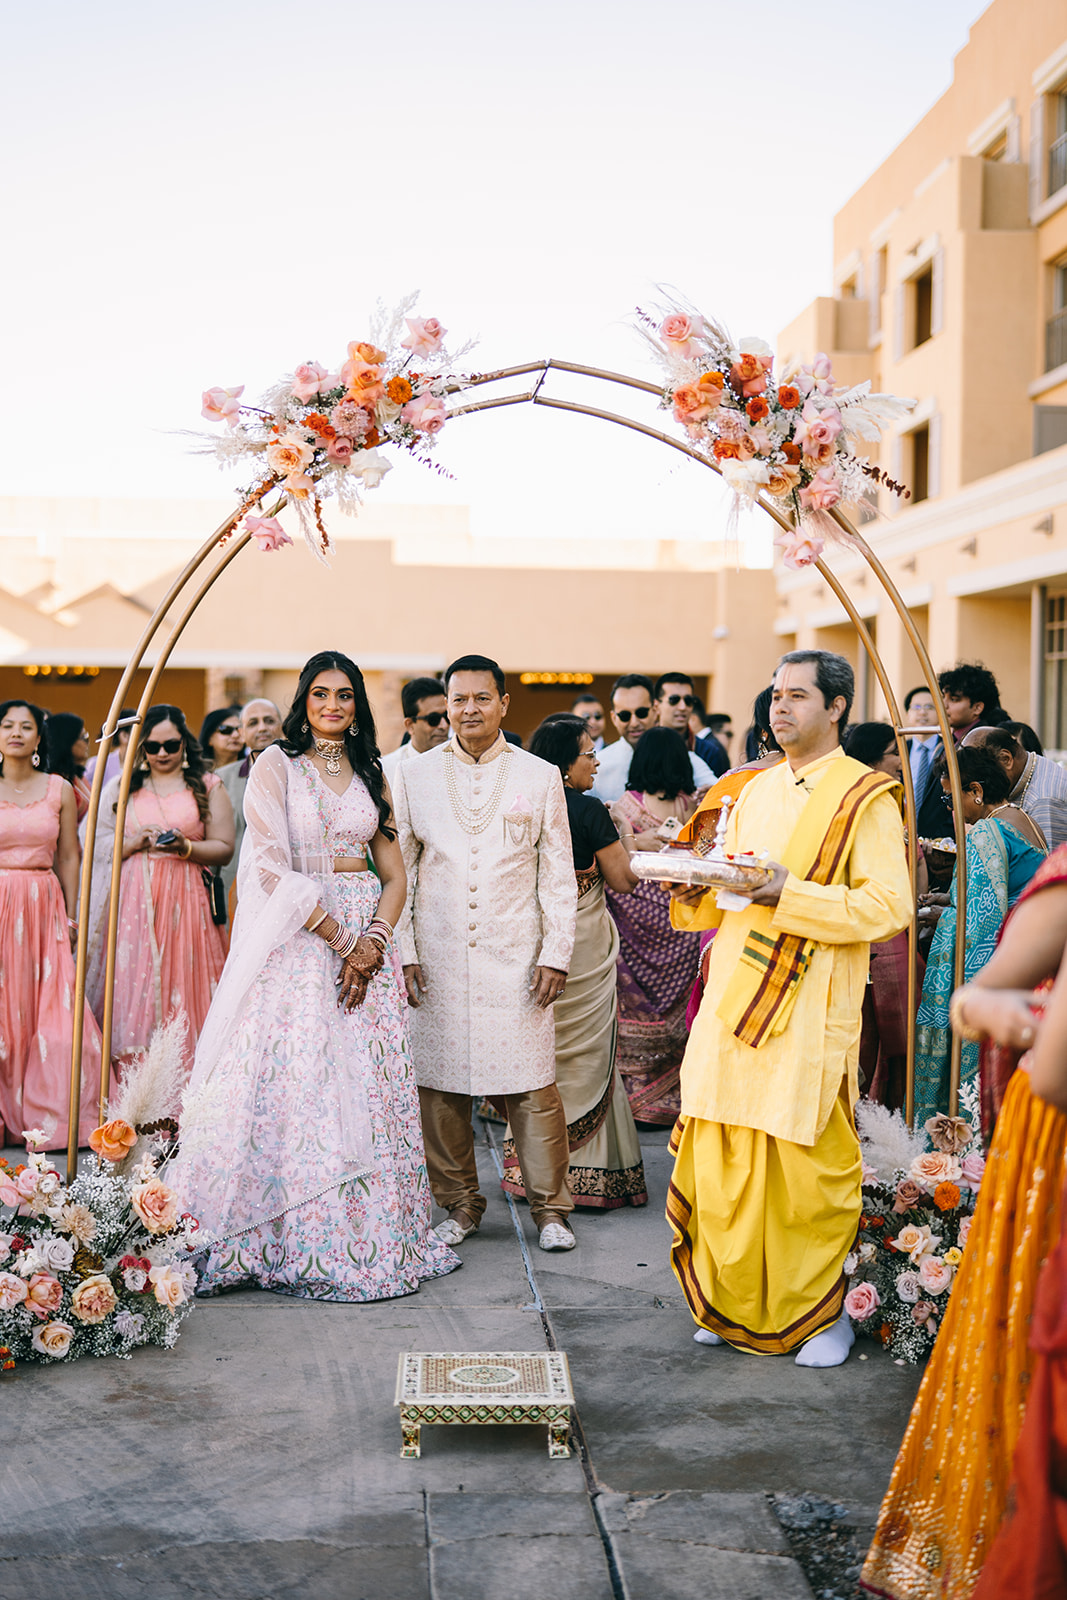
(216, 893)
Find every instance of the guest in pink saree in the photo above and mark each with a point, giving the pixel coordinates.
(38, 903)
(170, 953)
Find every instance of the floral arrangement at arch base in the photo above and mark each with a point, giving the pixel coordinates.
(793, 438)
(916, 1218)
(317, 431)
(101, 1265)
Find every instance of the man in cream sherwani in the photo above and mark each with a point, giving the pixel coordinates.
(486, 940)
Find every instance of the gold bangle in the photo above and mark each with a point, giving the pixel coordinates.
(310, 927)
(957, 1021)
(187, 852)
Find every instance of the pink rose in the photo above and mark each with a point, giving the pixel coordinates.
(965, 1229)
(822, 492)
(12, 1291)
(26, 1183)
(222, 405)
(168, 1287)
(53, 1339)
(267, 532)
(909, 1193)
(156, 1206)
(935, 1275)
(799, 549)
(93, 1299)
(9, 1195)
(43, 1294)
(311, 379)
(972, 1168)
(817, 427)
(339, 449)
(818, 378)
(681, 334)
(424, 336)
(862, 1301)
(426, 413)
(923, 1316)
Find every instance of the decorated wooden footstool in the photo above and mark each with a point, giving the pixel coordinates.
(484, 1387)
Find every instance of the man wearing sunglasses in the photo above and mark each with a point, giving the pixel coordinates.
(632, 713)
(425, 722)
(674, 701)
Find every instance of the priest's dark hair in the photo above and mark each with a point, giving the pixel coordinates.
(478, 664)
(360, 740)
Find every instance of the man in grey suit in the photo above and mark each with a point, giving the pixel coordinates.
(261, 724)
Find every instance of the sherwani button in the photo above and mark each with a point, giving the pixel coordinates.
(472, 943)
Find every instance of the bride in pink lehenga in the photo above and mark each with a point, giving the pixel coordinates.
(169, 953)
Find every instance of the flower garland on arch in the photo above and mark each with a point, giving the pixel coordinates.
(317, 432)
(792, 438)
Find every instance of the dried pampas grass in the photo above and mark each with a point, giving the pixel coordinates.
(889, 1145)
(151, 1090)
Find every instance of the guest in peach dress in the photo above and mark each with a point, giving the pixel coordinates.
(38, 902)
(169, 952)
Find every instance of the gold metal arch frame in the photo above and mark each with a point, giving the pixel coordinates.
(178, 606)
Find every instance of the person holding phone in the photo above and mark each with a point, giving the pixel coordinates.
(179, 828)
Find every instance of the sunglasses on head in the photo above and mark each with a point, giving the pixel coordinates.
(168, 747)
(677, 699)
(641, 713)
(433, 718)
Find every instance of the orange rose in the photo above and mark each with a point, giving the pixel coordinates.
(156, 1206)
(757, 409)
(399, 391)
(369, 352)
(747, 367)
(791, 453)
(692, 404)
(114, 1140)
(726, 450)
(782, 481)
(371, 438)
(366, 385)
(788, 397)
(712, 381)
(93, 1299)
(946, 1196)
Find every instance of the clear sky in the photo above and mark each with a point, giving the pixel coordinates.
(212, 191)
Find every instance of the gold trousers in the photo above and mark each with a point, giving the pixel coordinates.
(539, 1128)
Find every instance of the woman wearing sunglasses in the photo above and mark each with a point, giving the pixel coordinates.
(220, 738)
(169, 955)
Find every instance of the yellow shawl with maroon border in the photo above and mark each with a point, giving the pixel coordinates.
(759, 996)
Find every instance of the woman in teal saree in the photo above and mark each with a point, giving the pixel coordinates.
(1004, 850)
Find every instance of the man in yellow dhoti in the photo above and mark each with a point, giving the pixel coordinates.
(765, 1197)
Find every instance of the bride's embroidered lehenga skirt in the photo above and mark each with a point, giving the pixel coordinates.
(284, 1089)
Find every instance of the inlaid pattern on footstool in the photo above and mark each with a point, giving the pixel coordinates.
(480, 1387)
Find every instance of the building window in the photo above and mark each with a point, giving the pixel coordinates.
(998, 150)
(878, 280)
(1056, 326)
(847, 290)
(920, 464)
(1057, 155)
(923, 305)
(1054, 731)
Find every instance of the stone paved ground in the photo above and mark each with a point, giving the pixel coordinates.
(260, 1460)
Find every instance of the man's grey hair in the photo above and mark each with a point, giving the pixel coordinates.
(262, 700)
(833, 677)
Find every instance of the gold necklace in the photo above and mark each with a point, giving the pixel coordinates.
(331, 751)
(470, 820)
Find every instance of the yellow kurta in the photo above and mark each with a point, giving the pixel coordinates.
(765, 1194)
(788, 1087)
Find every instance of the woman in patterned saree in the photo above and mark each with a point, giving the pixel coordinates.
(1004, 850)
(301, 1147)
(606, 1170)
(657, 965)
(950, 1484)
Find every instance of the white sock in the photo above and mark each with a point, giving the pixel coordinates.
(829, 1348)
(703, 1336)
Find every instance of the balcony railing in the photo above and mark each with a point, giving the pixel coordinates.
(1057, 164)
(1056, 340)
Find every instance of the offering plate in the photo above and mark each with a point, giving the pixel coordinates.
(741, 874)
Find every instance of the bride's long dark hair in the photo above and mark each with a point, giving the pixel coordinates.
(361, 740)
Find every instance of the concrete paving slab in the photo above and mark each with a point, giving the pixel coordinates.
(652, 1571)
(726, 1521)
(520, 1568)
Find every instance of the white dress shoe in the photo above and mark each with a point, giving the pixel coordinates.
(452, 1232)
(554, 1236)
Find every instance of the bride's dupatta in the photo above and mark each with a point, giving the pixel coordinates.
(240, 1180)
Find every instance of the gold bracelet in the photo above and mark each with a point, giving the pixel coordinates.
(309, 927)
(956, 1019)
(187, 852)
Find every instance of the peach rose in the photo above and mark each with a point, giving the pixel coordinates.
(935, 1275)
(933, 1168)
(289, 454)
(12, 1291)
(692, 404)
(951, 1134)
(43, 1294)
(298, 486)
(965, 1229)
(168, 1287)
(93, 1299)
(782, 481)
(427, 414)
(425, 336)
(53, 1339)
(915, 1240)
(364, 381)
(113, 1141)
(156, 1206)
(862, 1301)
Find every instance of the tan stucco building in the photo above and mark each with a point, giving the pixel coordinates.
(407, 590)
(950, 285)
